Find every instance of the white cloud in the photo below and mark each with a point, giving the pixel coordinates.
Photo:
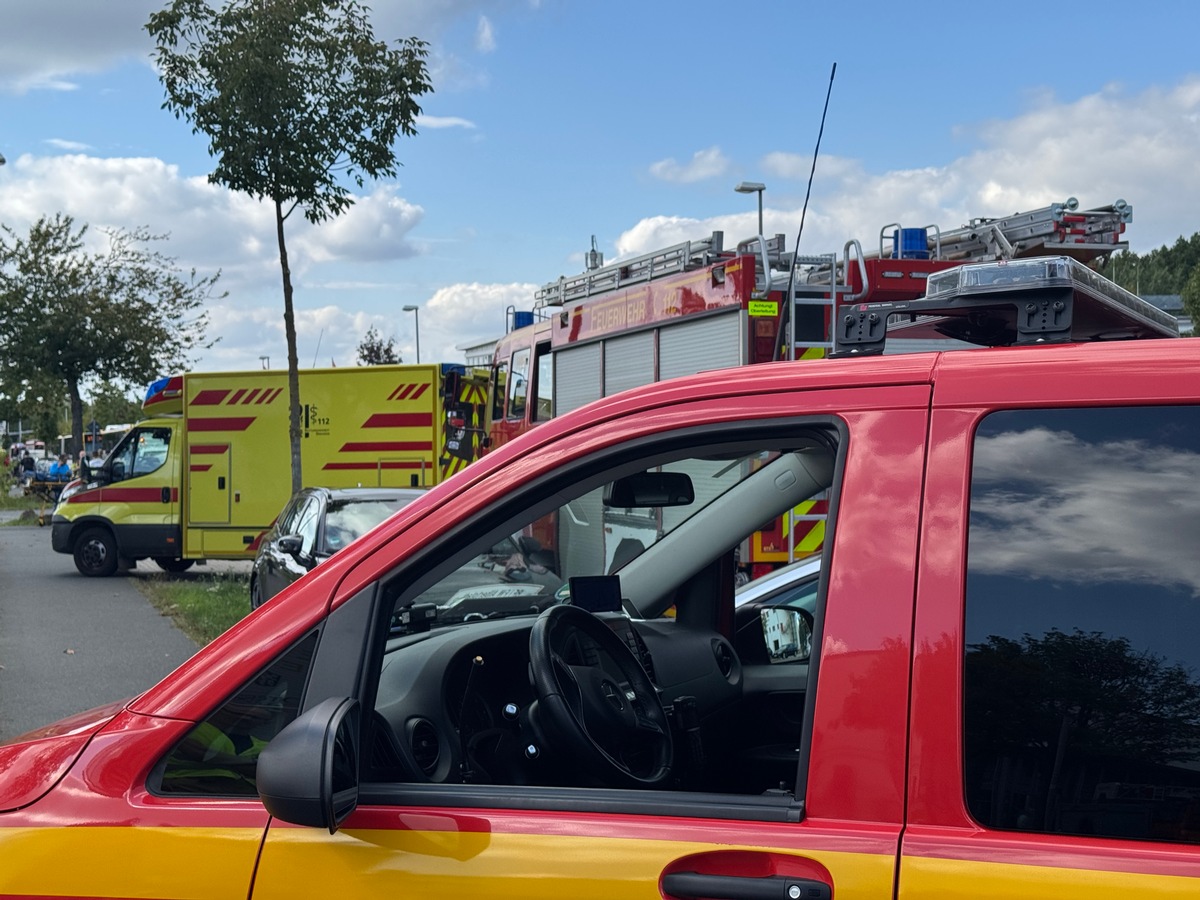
(704, 164)
(485, 37)
(455, 315)
(43, 44)
(424, 121)
(326, 335)
(466, 312)
(374, 229)
(353, 271)
(1103, 147)
(72, 146)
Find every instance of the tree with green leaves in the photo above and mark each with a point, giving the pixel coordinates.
(30, 402)
(1164, 270)
(111, 404)
(375, 351)
(1190, 295)
(299, 101)
(70, 316)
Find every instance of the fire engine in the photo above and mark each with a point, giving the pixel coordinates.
(699, 305)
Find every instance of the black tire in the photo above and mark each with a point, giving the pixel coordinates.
(170, 564)
(96, 553)
(256, 597)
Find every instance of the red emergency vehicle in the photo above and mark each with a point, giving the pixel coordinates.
(699, 305)
(992, 692)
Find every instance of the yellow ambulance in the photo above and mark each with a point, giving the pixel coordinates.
(205, 476)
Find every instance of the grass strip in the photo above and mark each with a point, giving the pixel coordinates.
(202, 605)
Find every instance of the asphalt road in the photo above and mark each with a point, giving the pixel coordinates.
(69, 643)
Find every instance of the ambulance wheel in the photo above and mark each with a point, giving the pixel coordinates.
(170, 564)
(96, 553)
(256, 594)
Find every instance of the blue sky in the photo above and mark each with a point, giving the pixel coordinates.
(554, 121)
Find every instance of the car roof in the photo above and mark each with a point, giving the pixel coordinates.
(782, 577)
(370, 493)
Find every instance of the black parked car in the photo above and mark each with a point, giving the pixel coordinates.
(315, 524)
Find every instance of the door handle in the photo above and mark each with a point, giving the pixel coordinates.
(220, 482)
(689, 885)
(166, 495)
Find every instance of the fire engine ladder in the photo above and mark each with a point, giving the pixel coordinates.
(808, 301)
(602, 279)
(812, 300)
(1060, 229)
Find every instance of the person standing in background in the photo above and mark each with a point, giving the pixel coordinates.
(60, 469)
(28, 468)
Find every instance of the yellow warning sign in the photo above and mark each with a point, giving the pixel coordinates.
(763, 308)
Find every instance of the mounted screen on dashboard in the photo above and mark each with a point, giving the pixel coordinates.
(596, 593)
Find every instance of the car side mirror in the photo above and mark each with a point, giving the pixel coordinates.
(292, 544)
(787, 634)
(308, 773)
(118, 470)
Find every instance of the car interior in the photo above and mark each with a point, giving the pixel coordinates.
(602, 652)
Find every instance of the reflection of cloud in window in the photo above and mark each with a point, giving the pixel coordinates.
(356, 519)
(1048, 504)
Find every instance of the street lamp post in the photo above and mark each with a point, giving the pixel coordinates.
(753, 187)
(416, 311)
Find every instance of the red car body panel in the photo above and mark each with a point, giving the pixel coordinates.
(885, 769)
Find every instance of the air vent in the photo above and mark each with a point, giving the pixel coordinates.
(726, 659)
(423, 741)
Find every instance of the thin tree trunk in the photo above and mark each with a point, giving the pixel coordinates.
(76, 404)
(289, 327)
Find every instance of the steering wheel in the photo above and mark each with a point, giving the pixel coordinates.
(594, 697)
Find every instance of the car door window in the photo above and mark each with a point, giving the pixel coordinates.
(219, 756)
(287, 519)
(518, 385)
(545, 384)
(456, 703)
(1082, 671)
(143, 451)
(308, 518)
(499, 385)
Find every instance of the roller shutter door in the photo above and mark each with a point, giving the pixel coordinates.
(576, 377)
(628, 362)
(714, 342)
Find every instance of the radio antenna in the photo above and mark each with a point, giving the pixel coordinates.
(804, 212)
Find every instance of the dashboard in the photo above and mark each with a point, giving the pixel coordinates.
(457, 705)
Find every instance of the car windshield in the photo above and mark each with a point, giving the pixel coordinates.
(628, 522)
(349, 519)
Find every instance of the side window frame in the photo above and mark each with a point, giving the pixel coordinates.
(537, 498)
